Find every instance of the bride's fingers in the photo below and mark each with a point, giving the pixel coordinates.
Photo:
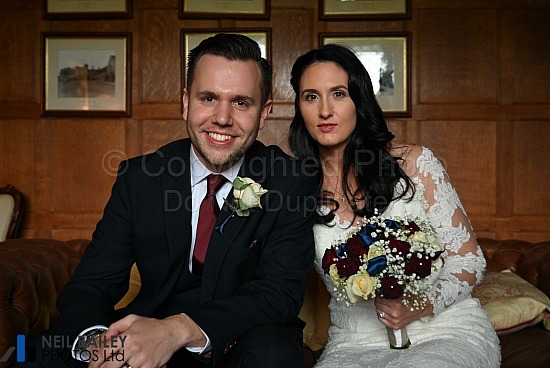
(382, 317)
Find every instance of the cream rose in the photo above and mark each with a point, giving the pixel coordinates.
(359, 285)
(425, 240)
(419, 236)
(247, 195)
(375, 251)
(333, 273)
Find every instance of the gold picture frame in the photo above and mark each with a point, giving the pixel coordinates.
(86, 74)
(87, 9)
(373, 9)
(192, 37)
(386, 56)
(216, 9)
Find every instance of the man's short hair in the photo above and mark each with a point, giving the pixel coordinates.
(232, 47)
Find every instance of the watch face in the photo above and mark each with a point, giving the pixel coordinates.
(80, 349)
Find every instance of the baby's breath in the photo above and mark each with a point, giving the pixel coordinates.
(398, 242)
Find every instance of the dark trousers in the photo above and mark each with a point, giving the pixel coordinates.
(266, 346)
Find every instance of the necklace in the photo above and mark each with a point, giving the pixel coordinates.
(335, 192)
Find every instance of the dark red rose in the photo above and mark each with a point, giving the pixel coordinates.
(412, 227)
(356, 246)
(348, 266)
(401, 246)
(421, 266)
(390, 288)
(328, 259)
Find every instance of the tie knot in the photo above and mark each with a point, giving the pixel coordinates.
(213, 183)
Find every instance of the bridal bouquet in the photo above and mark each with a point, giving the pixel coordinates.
(391, 258)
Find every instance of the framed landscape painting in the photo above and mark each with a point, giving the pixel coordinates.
(364, 9)
(192, 37)
(387, 59)
(217, 9)
(87, 9)
(86, 74)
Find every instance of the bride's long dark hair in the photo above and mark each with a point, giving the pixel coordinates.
(377, 172)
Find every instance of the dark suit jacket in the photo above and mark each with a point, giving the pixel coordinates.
(254, 274)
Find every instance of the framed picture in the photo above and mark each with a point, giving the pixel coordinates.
(87, 9)
(215, 9)
(191, 38)
(86, 74)
(387, 59)
(382, 9)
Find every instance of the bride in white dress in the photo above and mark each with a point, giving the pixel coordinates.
(339, 123)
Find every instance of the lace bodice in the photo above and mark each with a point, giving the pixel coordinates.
(436, 201)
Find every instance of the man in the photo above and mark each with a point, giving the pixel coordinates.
(238, 306)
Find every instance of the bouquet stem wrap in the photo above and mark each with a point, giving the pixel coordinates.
(399, 339)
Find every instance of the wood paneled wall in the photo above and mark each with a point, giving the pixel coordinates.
(480, 101)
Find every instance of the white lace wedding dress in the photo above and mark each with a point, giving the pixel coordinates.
(460, 334)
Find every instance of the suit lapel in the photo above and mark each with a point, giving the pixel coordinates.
(176, 189)
(175, 183)
(220, 243)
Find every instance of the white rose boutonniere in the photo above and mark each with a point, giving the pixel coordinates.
(247, 194)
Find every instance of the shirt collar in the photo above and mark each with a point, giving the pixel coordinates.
(199, 171)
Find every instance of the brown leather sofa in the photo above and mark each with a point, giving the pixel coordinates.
(33, 272)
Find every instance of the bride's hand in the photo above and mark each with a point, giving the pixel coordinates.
(393, 313)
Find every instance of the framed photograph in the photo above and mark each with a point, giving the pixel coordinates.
(381, 9)
(191, 38)
(387, 59)
(86, 74)
(215, 9)
(87, 9)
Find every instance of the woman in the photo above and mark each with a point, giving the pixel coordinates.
(339, 123)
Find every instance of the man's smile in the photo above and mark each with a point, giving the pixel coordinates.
(219, 137)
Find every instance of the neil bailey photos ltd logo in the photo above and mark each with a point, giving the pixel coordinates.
(56, 348)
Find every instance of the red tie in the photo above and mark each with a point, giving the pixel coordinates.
(208, 213)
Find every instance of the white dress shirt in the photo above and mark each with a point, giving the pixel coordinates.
(198, 191)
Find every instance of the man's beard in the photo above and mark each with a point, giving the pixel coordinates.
(221, 164)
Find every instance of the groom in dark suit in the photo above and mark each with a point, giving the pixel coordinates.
(236, 305)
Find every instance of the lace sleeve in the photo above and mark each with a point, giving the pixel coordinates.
(464, 263)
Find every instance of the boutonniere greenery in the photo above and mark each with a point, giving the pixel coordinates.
(246, 195)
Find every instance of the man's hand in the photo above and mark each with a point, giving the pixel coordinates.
(396, 315)
(146, 342)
